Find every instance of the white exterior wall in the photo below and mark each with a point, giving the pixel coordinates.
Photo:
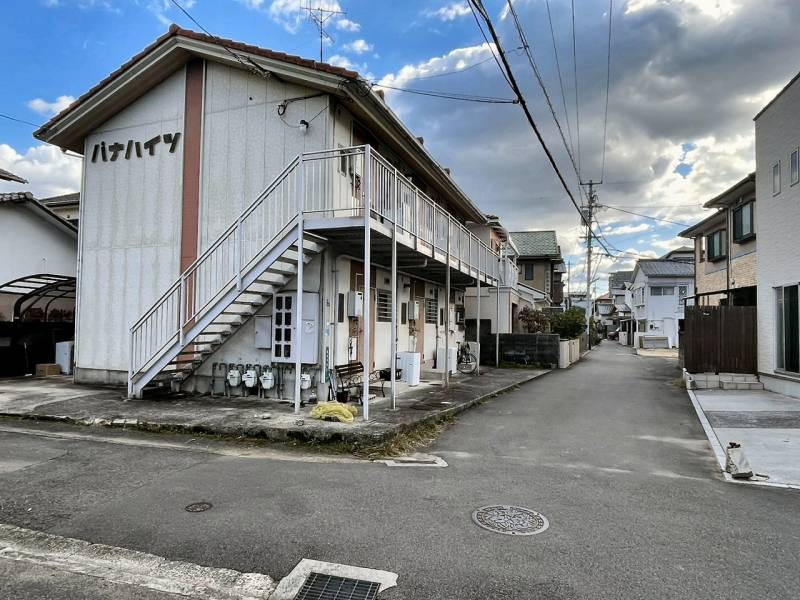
(31, 243)
(662, 313)
(130, 230)
(777, 134)
(246, 144)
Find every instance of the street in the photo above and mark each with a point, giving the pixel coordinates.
(609, 451)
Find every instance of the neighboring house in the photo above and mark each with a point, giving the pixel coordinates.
(577, 300)
(9, 176)
(502, 317)
(540, 263)
(657, 295)
(725, 248)
(617, 284)
(214, 190)
(777, 129)
(65, 206)
(38, 260)
(604, 311)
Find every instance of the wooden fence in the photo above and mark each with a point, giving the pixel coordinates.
(720, 339)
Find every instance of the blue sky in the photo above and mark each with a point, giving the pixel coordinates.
(680, 129)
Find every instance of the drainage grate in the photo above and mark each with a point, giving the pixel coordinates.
(198, 507)
(510, 520)
(331, 587)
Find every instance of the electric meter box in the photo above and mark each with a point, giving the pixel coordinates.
(263, 332)
(413, 311)
(355, 304)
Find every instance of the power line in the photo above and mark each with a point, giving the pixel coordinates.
(630, 212)
(526, 47)
(560, 79)
(246, 62)
(608, 87)
(24, 122)
(453, 72)
(575, 70)
(486, 39)
(10, 118)
(477, 7)
(453, 95)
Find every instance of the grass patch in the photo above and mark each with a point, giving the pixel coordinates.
(679, 383)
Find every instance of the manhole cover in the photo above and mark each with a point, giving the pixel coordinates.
(198, 507)
(510, 520)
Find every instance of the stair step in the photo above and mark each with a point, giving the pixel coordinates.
(247, 303)
(283, 267)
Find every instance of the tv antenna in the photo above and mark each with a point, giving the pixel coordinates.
(320, 16)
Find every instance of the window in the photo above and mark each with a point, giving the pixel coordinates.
(432, 311)
(743, 228)
(716, 243)
(683, 291)
(383, 301)
(788, 329)
(794, 166)
(661, 290)
(776, 178)
(528, 271)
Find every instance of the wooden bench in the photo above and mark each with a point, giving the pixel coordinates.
(350, 375)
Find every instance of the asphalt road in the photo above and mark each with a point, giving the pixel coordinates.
(610, 451)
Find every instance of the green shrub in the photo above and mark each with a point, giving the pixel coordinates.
(570, 323)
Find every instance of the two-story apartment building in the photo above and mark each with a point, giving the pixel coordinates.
(243, 207)
(540, 263)
(657, 295)
(777, 129)
(618, 282)
(725, 248)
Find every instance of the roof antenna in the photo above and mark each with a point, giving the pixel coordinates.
(320, 16)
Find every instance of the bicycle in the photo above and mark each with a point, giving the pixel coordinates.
(465, 360)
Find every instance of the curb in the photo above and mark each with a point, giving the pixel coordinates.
(719, 451)
(296, 433)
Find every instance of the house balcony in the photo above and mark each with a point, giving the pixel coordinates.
(338, 184)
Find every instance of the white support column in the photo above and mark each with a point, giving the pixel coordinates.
(367, 282)
(478, 320)
(393, 338)
(297, 345)
(497, 318)
(447, 309)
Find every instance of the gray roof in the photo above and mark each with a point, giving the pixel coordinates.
(64, 199)
(618, 280)
(536, 243)
(16, 197)
(8, 176)
(666, 268)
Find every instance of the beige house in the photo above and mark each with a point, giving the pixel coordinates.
(540, 263)
(725, 248)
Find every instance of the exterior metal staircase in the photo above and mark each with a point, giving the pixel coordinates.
(261, 251)
(227, 285)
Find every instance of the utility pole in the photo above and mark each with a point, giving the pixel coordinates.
(320, 16)
(588, 218)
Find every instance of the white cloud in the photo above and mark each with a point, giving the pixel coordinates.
(337, 60)
(291, 13)
(346, 24)
(160, 8)
(451, 12)
(48, 170)
(626, 229)
(358, 46)
(715, 9)
(48, 109)
(456, 59)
